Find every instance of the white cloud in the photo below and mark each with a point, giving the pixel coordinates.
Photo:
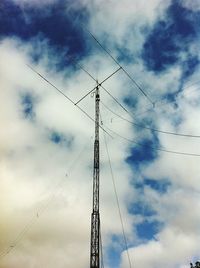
(32, 166)
(192, 5)
(172, 249)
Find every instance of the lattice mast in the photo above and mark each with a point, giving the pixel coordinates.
(95, 217)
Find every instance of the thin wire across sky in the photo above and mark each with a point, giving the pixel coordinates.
(110, 131)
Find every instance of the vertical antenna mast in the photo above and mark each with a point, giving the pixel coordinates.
(95, 219)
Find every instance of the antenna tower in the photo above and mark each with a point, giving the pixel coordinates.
(95, 217)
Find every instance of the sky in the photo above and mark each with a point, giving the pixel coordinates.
(46, 142)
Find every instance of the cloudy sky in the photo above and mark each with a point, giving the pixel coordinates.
(46, 142)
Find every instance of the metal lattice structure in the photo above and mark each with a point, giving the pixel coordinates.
(95, 219)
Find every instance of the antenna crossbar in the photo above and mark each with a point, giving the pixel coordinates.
(98, 84)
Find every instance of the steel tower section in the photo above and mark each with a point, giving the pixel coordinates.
(95, 217)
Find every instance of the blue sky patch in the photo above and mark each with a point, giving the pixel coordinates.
(53, 24)
(130, 101)
(160, 186)
(113, 253)
(143, 153)
(141, 208)
(27, 102)
(124, 55)
(113, 257)
(159, 50)
(190, 66)
(171, 97)
(171, 36)
(148, 229)
(61, 139)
